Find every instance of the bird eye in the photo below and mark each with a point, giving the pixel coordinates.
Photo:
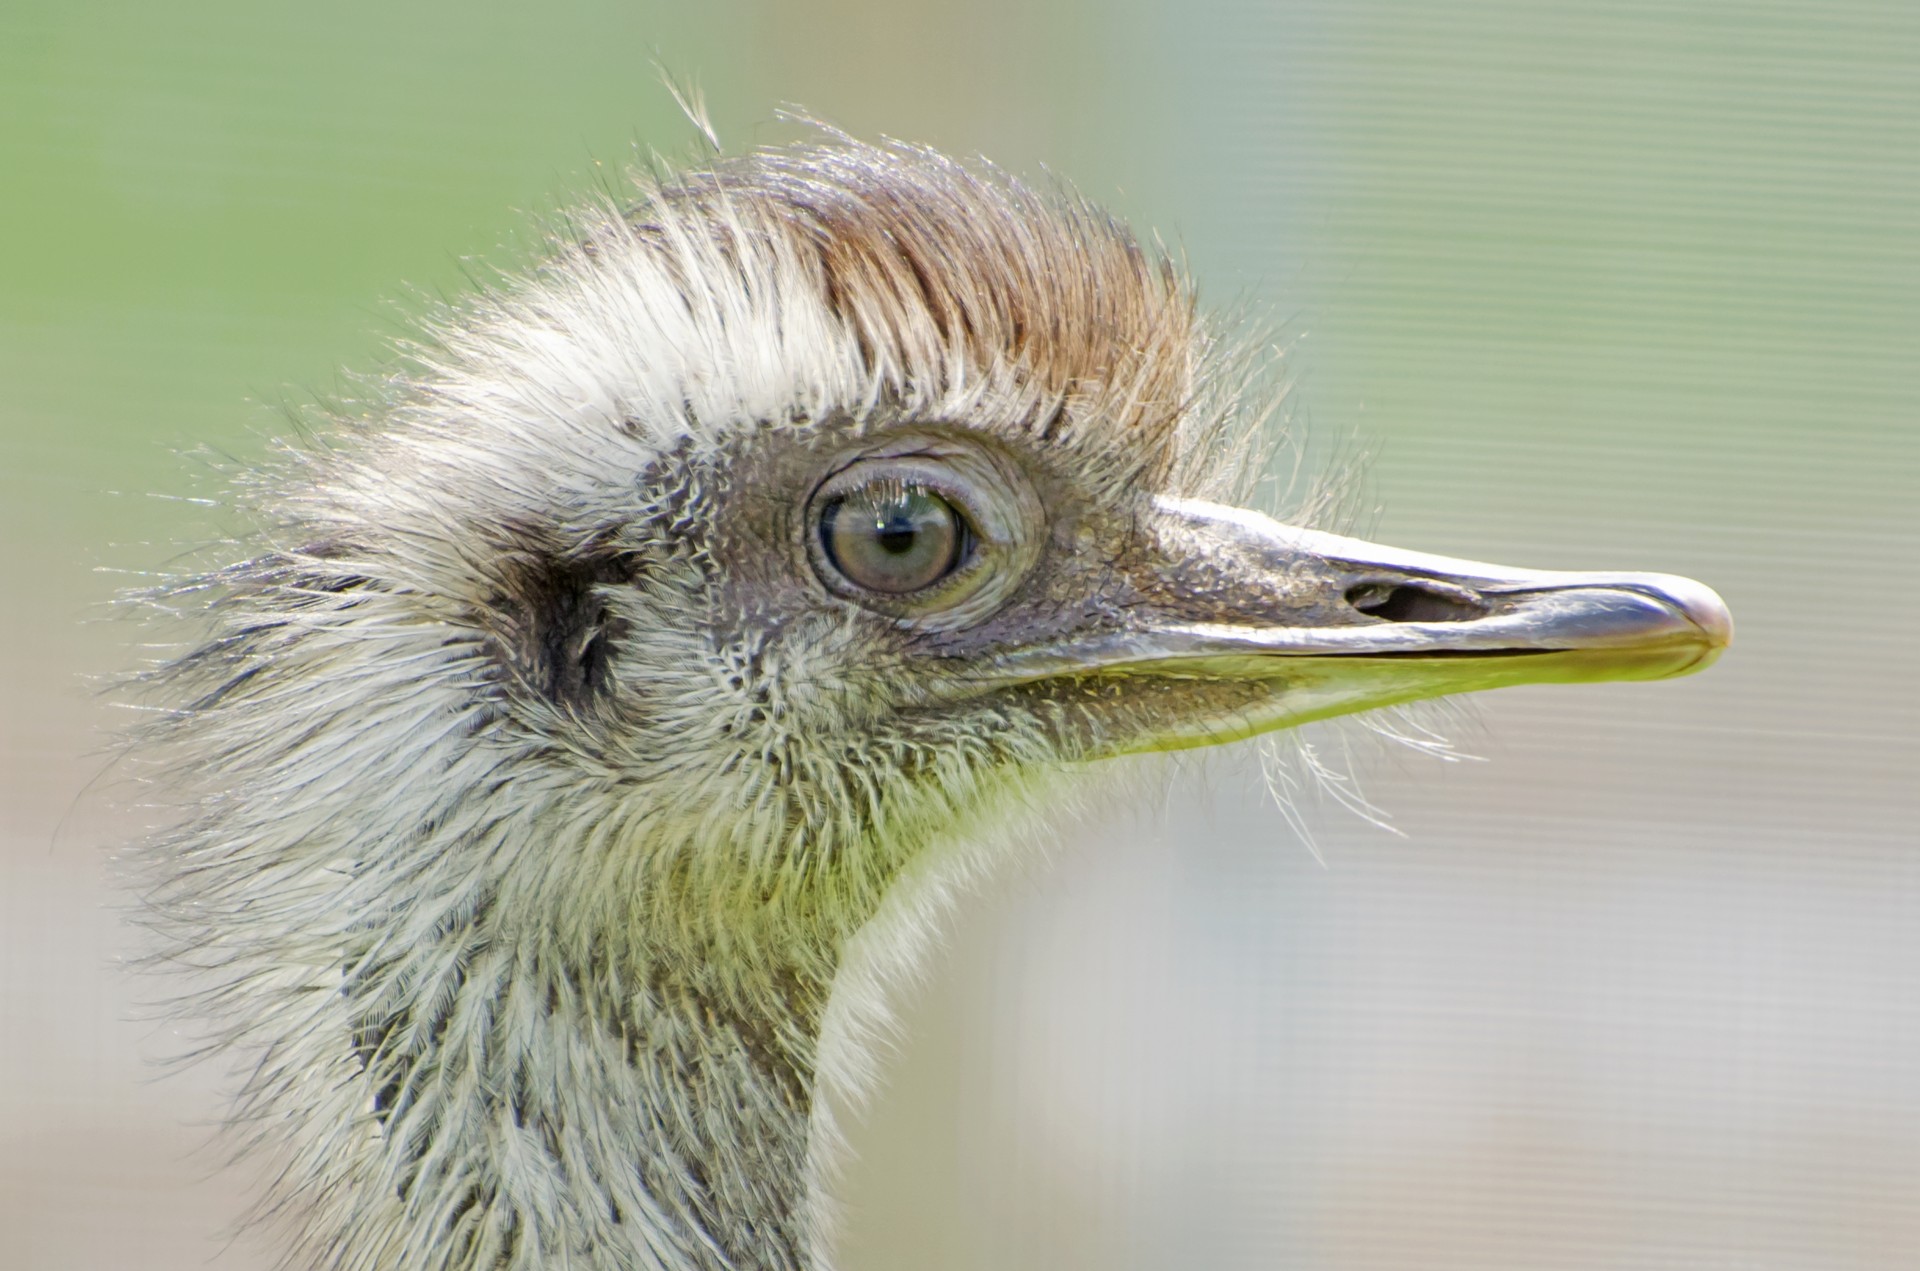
(930, 529)
(893, 537)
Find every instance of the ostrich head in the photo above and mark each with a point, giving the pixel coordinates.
(600, 711)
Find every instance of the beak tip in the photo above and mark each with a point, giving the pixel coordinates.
(1700, 605)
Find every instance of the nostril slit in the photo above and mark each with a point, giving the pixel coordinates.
(1412, 602)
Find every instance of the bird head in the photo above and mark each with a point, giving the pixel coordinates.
(819, 491)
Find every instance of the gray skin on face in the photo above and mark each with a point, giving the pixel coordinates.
(570, 765)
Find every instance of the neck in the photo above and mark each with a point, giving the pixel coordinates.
(631, 1073)
(645, 1095)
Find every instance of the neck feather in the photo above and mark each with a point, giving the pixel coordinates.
(641, 1097)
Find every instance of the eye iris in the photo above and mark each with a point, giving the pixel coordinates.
(892, 538)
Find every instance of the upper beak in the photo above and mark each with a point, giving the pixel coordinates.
(1321, 625)
(1414, 604)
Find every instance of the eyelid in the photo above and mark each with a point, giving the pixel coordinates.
(889, 488)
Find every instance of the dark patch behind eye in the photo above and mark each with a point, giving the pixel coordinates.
(552, 626)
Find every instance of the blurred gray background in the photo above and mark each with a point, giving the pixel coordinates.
(1623, 285)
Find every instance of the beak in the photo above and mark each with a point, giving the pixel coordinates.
(1243, 625)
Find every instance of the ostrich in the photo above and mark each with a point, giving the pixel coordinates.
(600, 718)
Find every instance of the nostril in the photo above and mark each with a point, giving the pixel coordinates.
(1414, 602)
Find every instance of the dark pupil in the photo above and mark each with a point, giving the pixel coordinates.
(896, 533)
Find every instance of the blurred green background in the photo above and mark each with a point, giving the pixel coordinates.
(1623, 285)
